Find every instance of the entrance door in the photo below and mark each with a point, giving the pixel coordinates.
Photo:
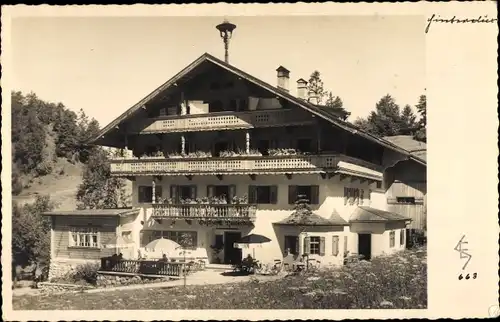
(232, 255)
(365, 246)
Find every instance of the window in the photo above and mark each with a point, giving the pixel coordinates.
(146, 194)
(352, 196)
(222, 192)
(291, 245)
(311, 193)
(188, 238)
(402, 237)
(84, 237)
(379, 185)
(406, 200)
(304, 145)
(392, 239)
(314, 245)
(335, 245)
(178, 193)
(263, 194)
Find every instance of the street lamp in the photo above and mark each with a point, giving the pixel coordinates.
(226, 31)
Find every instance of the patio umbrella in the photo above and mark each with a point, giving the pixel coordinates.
(162, 244)
(253, 239)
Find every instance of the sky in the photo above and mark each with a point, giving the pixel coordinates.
(104, 65)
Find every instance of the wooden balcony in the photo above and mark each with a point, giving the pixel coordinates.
(225, 212)
(251, 165)
(222, 121)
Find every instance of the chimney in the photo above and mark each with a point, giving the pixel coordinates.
(302, 89)
(283, 78)
(313, 98)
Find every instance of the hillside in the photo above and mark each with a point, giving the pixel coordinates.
(61, 185)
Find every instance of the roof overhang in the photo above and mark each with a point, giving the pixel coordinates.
(274, 90)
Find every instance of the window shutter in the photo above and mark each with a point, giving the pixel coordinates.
(314, 195)
(210, 191)
(232, 192)
(322, 246)
(335, 245)
(345, 245)
(252, 194)
(158, 193)
(345, 195)
(292, 194)
(273, 194)
(173, 193)
(356, 196)
(307, 245)
(362, 197)
(297, 245)
(192, 191)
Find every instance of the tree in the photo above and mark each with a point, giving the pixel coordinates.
(408, 118)
(99, 189)
(335, 105)
(85, 131)
(31, 232)
(315, 86)
(386, 120)
(421, 134)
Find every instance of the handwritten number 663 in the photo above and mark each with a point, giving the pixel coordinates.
(461, 276)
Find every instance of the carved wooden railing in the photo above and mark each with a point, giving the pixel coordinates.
(149, 267)
(205, 211)
(242, 165)
(222, 121)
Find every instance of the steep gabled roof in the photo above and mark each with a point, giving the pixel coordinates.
(315, 110)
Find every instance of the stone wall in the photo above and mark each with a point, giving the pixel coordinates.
(113, 280)
(61, 267)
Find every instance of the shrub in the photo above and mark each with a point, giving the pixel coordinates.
(86, 272)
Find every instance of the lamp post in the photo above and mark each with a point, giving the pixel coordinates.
(226, 31)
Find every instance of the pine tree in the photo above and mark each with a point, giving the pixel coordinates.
(335, 105)
(421, 133)
(315, 86)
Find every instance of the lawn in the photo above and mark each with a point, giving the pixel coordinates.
(397, 281)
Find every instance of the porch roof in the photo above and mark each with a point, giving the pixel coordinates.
(117, 212)
(369, 214)
(312, 219)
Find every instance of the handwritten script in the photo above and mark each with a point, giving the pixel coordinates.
(455, 20)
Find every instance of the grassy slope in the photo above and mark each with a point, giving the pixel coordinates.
(61, 185)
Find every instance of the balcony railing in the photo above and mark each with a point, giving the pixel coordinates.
(222, 121)
(244, 212)
(245, 165)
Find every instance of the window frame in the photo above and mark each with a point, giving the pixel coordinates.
(316, 243)
(392, 239)
(158, 193)
(253, 194)
(76, 232)
(406, 200)
(175, 235)
(402, 237)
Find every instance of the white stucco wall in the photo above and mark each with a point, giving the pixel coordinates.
(331, 196)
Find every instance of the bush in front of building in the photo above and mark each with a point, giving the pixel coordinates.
(86, 272)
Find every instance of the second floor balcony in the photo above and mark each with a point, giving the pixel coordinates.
(202, 211)
(246, 164)
(222, 121)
